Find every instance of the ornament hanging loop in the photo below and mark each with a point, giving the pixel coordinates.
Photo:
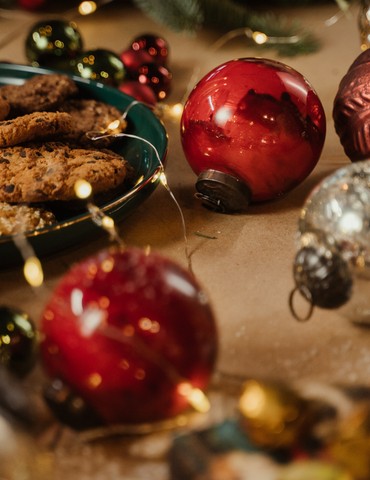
(307, 295)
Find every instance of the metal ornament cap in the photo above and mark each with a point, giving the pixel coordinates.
(222, 192)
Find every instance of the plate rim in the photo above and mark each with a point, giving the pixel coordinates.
(122, 199)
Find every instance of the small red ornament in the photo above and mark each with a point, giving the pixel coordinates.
(133, 60)
(252, 129)
(130, 333)
(157, 77)
(140, 92)
(157, 47)
(31, 4)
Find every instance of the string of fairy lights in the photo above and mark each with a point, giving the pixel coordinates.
(33, 269)
(32, 266)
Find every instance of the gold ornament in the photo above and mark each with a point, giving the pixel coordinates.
(350, 446)
(313, 470)
(273, 416)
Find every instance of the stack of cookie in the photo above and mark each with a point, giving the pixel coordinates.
(45, 149)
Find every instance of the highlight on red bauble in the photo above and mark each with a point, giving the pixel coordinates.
(132, 334)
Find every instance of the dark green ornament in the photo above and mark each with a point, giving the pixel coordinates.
(101, 66)
(53, 44)
(68, 407)
(18, 341)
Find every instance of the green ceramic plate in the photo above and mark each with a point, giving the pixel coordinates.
(77, 228)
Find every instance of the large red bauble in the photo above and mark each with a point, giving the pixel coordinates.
(259, 122)
(129, 332)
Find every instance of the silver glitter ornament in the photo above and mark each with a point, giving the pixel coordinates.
(332, 265)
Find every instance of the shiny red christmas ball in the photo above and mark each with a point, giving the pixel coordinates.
(131, 334)
(156, 46)
(139, 91)
(252, 129)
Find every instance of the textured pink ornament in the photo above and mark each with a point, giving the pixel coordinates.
(129, 332)
(252, 129)
(351, 109)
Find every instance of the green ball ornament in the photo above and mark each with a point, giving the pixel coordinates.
(53, 43)
(100, 65)
(18, 341)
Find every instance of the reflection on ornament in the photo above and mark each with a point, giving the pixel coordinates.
(252, 130)
(18, 341)
(273, 416)
(332, 265)
(132, 334)
(53, 43)
(157, 47)
(100, 65)
(351, 109)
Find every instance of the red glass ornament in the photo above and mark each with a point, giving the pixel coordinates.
(31, 4)
(157, 77)
(252, 129)
(133, 60)
(129, 332)
(157, 47)
(140, 92)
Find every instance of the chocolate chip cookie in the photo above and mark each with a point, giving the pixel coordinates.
(4, 108)
(34, 126)
(92, 116)
(22, 218)
(49, 171)
(39, 93)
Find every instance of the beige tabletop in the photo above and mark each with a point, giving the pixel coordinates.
(243, 261)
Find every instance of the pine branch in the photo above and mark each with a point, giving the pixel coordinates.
(227, 15)
(176, 14)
